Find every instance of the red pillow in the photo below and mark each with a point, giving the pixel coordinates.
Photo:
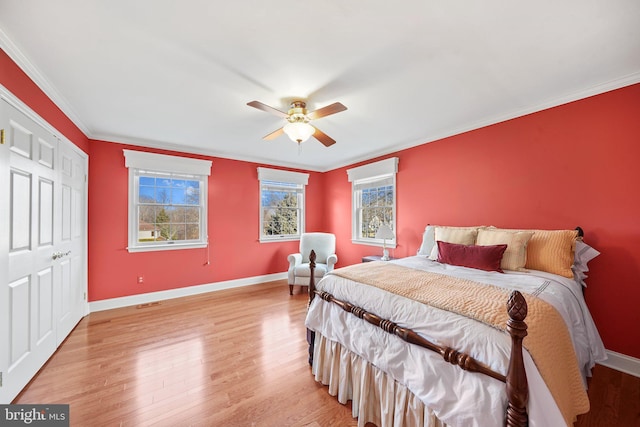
(481, 257)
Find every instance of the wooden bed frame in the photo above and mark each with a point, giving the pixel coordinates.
(516, 379)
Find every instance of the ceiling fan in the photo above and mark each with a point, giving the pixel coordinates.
(297, 126)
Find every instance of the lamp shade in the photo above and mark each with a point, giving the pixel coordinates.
(298, 131)
(384, 232)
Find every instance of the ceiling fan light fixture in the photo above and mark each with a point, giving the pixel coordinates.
(297, 127)
(298, 131)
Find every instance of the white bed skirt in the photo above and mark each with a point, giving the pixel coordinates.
(376, 397)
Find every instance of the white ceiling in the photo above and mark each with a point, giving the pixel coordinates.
(178, 74)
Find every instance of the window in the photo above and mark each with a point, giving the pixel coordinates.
(281, 204)
(167, 201)
(374, 200)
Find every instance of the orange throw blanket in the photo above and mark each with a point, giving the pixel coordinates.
(548, 340)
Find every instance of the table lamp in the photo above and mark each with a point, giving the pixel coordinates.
(384, 232)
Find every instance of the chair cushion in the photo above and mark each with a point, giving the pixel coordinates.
(303, 270)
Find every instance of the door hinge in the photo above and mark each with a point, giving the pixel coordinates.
(1, 136)
(0, 378)
(84, 296)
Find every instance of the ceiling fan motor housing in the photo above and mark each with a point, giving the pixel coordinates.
(298, 112)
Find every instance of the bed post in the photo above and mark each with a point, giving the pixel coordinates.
(311, 335)
(517, 388)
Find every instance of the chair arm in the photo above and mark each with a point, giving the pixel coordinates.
(331, 261)
(294, 259)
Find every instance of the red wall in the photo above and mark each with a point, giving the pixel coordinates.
(233, 226)
(576, 164)
(566, 166)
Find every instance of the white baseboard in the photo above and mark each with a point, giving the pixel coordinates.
(623, 363)
(111, 303)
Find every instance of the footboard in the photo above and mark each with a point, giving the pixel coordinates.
(515, 380)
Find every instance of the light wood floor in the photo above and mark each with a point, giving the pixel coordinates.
(229, 358)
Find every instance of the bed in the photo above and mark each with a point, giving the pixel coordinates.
(483, 327)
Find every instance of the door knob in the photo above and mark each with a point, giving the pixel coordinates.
(59, 254)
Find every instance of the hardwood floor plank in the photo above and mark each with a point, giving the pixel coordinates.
(614, 398)
(236, 357)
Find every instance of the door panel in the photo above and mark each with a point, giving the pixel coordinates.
(44, 307)
(20, 208)
(46, 212)
(20, 320)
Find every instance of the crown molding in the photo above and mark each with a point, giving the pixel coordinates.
(29, 68)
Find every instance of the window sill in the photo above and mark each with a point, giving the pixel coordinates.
(280, 239)
(169, 247)
(373, 243)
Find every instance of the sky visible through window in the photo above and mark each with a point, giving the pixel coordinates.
(169, 209)
(169, 191)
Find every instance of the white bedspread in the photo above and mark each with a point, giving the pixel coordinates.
(457, 397)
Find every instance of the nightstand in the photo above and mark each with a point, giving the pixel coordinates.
(370, 258)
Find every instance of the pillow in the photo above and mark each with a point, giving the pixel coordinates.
(486, 258)
(459, 235)
(428, 241)
(515, 257)
(584, 254)
(551, 251)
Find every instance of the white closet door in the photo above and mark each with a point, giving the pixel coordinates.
(70, 247)
(41, 295)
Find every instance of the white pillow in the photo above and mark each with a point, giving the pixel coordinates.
(583, 254)
(428, 241)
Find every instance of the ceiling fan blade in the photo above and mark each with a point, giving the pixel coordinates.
(264, 107)
(274, 134)
(336, 107)
(325, 139)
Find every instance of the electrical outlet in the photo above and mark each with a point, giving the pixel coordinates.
(140, 279)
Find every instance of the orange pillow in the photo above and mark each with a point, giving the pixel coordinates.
(551, 251)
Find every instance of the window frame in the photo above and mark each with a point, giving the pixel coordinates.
(287, 180)
(382, 173)
(142, 163)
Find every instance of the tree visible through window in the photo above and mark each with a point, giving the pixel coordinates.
(374, 200)
(281, 208)
(281, 204)
(377, 209)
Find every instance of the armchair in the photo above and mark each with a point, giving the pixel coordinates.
(324, 245)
